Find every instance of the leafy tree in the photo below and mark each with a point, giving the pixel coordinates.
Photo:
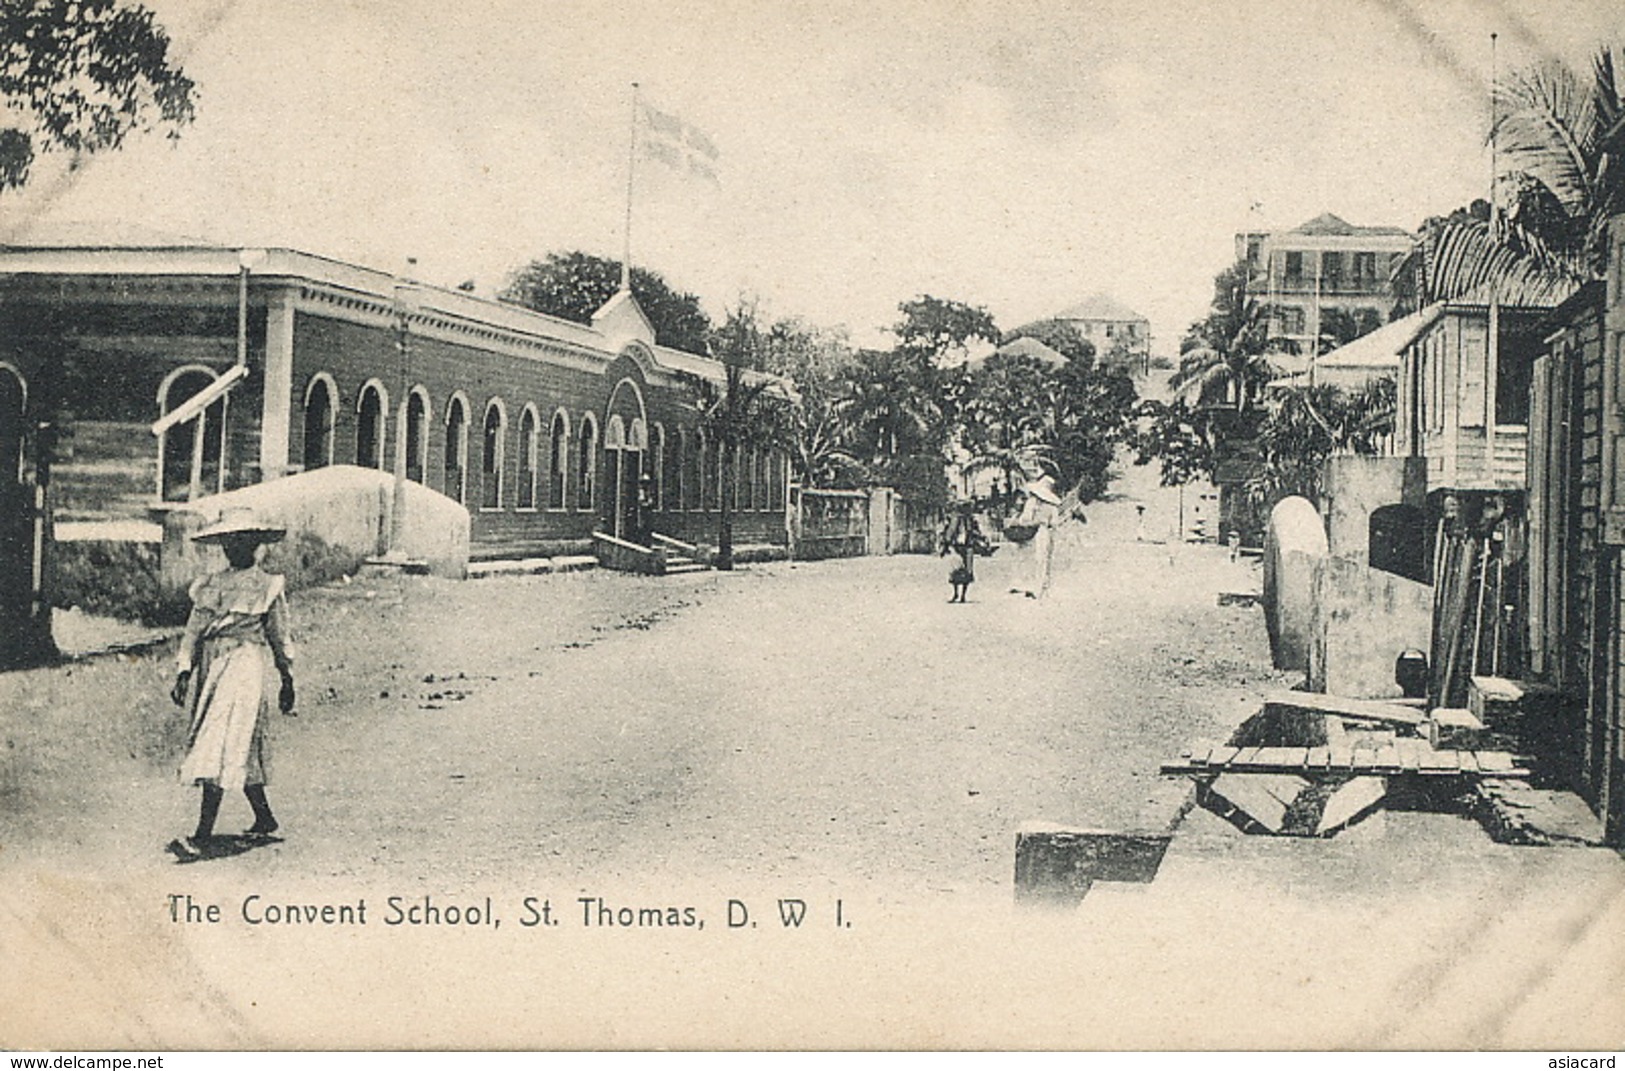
(80, 76)
(1178, 436)
(889, 407)
(817, 361)
(1339, 327)
(575, 285)
(935, 331)
(1024, 417)
(1002, 425)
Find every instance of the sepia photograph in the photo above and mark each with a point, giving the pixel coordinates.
(946, 525)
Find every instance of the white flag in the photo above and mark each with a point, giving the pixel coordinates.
(681, 146)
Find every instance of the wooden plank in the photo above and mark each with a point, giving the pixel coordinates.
(1222, 756)
(1493, 762)
(1439, 762)
(1388, 757)
(1319, 758)
(1247, 756)
(1372, 710)
(1469, 761)
(1277, 758)
(1410, 754)
(1342, 756)
(1365, 758)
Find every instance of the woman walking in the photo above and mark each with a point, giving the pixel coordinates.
(236, 634)
(964, 538)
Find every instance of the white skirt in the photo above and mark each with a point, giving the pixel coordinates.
(228, 746)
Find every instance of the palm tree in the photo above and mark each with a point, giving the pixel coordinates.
(1562, 148)
(1562, 141)
(1229, 348)
(744, 411)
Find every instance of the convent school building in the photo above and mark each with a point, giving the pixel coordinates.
(541, 427)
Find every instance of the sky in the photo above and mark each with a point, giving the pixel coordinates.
(1015, 154)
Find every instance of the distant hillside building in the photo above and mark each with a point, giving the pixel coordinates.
(1325, 264)
(1111, 327)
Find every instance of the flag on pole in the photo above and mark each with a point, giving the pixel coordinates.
(679, 145)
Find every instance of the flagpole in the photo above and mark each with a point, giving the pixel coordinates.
(631, 164)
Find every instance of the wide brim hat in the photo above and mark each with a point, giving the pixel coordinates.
(239, 522)
(1043, 489)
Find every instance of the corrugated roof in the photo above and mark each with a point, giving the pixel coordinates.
(1099, 307)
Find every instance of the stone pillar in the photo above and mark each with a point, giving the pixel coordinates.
(1294, 542)
(276, 405)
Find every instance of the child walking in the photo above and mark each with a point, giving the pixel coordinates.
(236, 634)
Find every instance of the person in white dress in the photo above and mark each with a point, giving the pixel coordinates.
(236, 634)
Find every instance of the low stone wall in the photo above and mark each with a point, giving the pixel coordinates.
(1363, 620)
(336, 517)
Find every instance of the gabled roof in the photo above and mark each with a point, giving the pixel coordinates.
(1031, 347)
(1099, 307)
(1327, 223)
(1381, 348)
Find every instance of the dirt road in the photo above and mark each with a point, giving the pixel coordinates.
(834, 734)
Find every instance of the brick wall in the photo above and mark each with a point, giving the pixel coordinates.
(353, 354)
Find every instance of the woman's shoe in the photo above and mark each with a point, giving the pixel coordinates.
(262, 829)
(185, 849)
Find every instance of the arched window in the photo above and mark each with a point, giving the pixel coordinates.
(587, 465)
(529, 443)
(369, 426)
(321, 408)
(558, 460)
(455, 482)
(191, 456)
(417, 439)
(495, 429)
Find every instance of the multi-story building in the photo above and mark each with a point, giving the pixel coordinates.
(1115, 329)
(1322, 268)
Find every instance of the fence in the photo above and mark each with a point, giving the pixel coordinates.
(849, 524)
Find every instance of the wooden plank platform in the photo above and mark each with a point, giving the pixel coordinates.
(1403, 757)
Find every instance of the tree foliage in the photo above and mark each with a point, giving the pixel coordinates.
(81, 75)
(745, 410)
(575, 285)
(1225, 355)
(1560, 140)
(1177, 436)
(937, 330)
(1304, 426)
